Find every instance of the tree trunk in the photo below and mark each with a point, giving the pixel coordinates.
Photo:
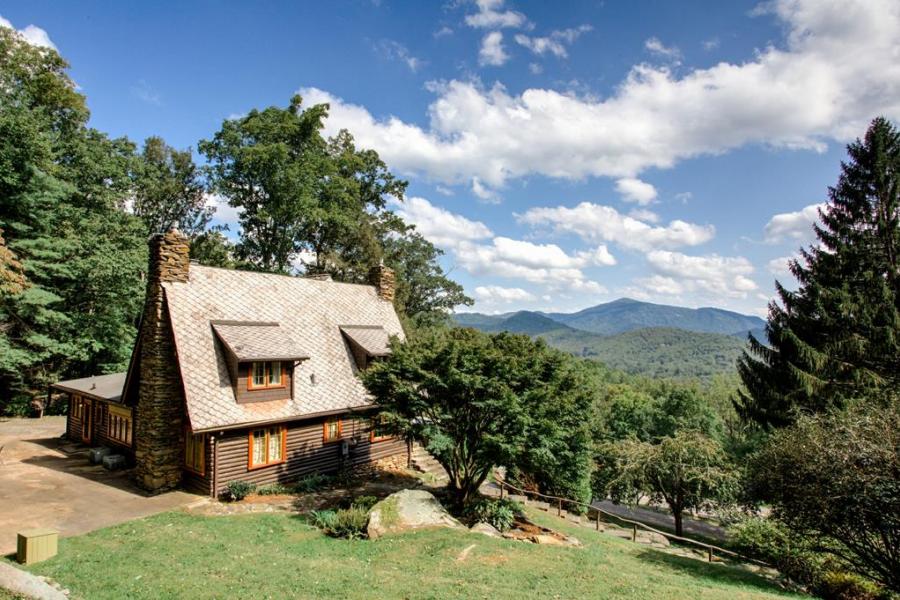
(678, 524)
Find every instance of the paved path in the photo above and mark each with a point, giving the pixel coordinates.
(663, 521)
(41, 485)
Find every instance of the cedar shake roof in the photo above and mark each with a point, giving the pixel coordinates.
(258, 341)
(373, 340)
(99, 387)
(309, 313)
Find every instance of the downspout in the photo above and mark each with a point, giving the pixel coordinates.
(215, 471)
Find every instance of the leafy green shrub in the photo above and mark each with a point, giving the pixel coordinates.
(344, 523)
(236, 491)
(311, 483)
(499, 513)
(770, 541)
(364, 502)
(272, 489)
(838, 585)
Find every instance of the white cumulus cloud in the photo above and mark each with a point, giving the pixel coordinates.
(491, 15)
(495, 294)
(599, 223)
(441, 227)
(33, 34)
(795, 226)
(835, 68)
(677, 273)
(492, 52)
(635, 190)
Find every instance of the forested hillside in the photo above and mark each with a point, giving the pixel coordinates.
(649, 351)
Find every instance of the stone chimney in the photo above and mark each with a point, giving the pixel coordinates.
(383, 279)
(160, 409)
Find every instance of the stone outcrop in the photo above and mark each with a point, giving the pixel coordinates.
(159, 413)
(406, 510)
(384, 280)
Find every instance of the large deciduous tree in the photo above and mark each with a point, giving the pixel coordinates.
(477, 400)
(168, 189)
(323, 202)
(686, 471)
(834, 479)
(838, 335)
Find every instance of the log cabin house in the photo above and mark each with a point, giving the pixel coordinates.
(237, 375)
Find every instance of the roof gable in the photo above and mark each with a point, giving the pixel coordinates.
(309, 314)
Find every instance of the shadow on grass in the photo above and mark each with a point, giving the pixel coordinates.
(714, 572)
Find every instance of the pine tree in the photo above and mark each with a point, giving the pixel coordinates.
(837, 336)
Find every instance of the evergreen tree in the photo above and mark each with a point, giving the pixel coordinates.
(838, 335)
(75, 256)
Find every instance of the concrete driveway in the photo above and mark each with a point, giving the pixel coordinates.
(46, 481)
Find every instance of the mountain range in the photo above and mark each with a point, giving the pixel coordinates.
(638, 337)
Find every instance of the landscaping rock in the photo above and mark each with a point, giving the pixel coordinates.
(485, 529)
(406, 510)
(547, 540)
(652, 538)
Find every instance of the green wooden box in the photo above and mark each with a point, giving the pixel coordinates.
(35, 545)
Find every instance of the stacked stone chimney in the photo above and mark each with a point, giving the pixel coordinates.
(384, 281)
(160, 409)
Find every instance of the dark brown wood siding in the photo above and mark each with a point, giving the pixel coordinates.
(101, 431)
(305, 452)
(73, 423)
(263, 395)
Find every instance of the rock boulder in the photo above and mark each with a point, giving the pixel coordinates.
(406, 510)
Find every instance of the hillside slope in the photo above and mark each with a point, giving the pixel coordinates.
(649, 351)
(655, 351)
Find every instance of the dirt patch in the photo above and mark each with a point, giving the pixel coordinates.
(526, 531)
(465, 553)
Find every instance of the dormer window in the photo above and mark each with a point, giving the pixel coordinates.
(367, 343)
(265, 375)
(261, 359)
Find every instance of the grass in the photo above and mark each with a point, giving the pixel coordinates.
(176, 555)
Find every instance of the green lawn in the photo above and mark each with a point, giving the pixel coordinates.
(175, 555)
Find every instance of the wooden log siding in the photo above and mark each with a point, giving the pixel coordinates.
(73, 423)
(305, 452)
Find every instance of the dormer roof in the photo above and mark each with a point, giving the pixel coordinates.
(373, 339)
(255, 341)
(221, 310)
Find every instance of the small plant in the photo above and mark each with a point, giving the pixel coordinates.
(347, 523)
(311, 483)
(499, 513)
(236, 491)
(364, 502)
(272, 489)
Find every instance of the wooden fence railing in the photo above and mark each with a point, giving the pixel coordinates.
(559, 502)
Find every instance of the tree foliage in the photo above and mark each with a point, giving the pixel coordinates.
(168, 189)
(835, 480)
(688, 470)
(75, 256)
(301, 195)
(478, 400)
(836, 337)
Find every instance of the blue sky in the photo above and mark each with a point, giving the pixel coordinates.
(562, 154)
